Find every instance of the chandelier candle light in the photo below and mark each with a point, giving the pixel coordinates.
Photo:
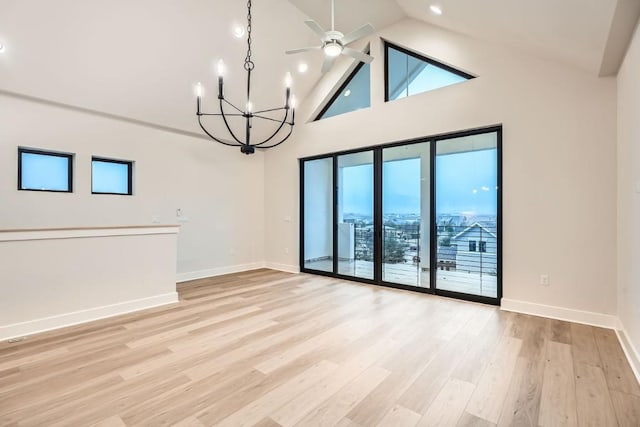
(246, 146)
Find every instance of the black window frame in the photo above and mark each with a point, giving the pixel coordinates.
(482, 246)
(68, 156)
(388, 45)
(473, 246)
(129, 164)
(339, 91)
(377, 280)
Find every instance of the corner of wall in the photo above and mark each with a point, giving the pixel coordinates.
(629, 350)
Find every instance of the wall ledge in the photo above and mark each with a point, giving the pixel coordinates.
(13, 235)
(561, 313)
(83, 316)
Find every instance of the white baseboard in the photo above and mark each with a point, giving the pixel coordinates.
(76, 317)
(219, 271)
(283, 267)
(560, 313)
(629, 350)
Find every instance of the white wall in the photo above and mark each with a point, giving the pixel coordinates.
(629, 193)
(55, 278)
(559, 159)
(219, 190)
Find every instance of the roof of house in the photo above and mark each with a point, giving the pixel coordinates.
(475, 224)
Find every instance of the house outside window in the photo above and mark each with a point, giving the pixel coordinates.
(472, 245)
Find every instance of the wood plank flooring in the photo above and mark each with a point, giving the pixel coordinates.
(266, 348)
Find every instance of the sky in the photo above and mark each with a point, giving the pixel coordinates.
(44, 172)
(401, 186)
(465, 184)
(403, 80)
(51, 172)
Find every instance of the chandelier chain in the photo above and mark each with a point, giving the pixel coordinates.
(248, 63)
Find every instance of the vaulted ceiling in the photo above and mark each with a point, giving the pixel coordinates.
(581, 33)
(140, 59)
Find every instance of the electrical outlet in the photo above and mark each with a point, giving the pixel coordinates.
(286, 250)
(544, 279)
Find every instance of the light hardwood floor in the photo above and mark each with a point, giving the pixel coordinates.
(267, 348)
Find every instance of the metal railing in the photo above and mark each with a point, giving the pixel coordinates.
(470, 248)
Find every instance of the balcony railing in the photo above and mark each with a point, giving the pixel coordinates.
(466, 248)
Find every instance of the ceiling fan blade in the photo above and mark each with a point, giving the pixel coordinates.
(316, 28)
(362, 57)
(328, 63)
(303, 49)
(361, 32)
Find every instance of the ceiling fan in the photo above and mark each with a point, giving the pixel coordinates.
(334, 43)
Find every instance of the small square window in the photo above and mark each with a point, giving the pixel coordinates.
(483, 246)
(45, 171)
(472, 245)
(110, 176)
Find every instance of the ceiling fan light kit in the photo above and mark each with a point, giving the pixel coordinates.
(332, 48)
(246, 145)
(334, 43)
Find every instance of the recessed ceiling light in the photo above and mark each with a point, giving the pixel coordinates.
(436, 9)
(238, 31)
(303, 67)
(347, 92)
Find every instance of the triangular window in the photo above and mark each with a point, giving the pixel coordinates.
(354, 94)
(407, 73)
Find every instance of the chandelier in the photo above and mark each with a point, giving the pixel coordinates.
(247, 146)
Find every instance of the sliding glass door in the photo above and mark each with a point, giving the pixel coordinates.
(422, 215)
(318, 215)
(355, 228)
(406, 182)
(467, 215)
